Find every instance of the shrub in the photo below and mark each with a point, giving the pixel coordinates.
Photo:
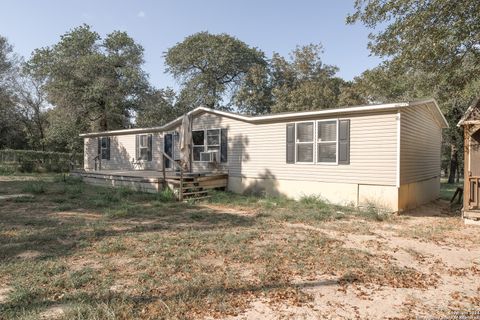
(166, 195)
(39, 161)
(35, 187)
(7, 170)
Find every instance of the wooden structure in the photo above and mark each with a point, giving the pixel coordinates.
(189, 187)
(471, 128)
(185, 185)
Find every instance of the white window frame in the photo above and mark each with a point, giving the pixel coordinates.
(320, 142)
(140, 146)
(205, 140)
(309, 142)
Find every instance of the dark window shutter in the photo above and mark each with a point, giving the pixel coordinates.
(137, 147)
(224, 146)
(108, 148)
(344, 142)
(290, 143)
(99, 152)
(149, 147)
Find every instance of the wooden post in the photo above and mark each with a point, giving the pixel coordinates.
(180, 196)
(477, 189)
(174, 163)
(466, 169)
(163, 172)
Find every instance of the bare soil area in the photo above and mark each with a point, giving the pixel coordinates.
(73, 251)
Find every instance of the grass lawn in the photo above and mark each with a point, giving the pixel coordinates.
(74, 251)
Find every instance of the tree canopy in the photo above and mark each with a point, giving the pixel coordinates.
(101, 81)
(211, 67)
(158, 107)
(94, 83)
(11, 133)
(439, 38)
(302, 82)
(431, 47)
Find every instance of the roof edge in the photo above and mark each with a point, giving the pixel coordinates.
(444, 121)
(272, 117)
(467, 113)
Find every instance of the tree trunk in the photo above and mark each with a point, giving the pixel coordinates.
(453, 163)
(103, 119)
(458, 173)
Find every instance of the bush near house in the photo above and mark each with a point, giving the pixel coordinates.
(37, 161)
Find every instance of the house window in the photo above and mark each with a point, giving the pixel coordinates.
(104, 148)
(327, 141)
(144, 147)
(304, 142)
(213, 140)
(210, 140)
(198, 138)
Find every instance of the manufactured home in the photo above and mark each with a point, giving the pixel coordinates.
(387, 155)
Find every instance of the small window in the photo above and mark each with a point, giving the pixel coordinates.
(327, 141)
(304, 143)
(198, 138)
(104, 148)
(143, 147)
(213, 140)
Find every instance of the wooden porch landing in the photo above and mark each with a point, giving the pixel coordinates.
(190, 186)
(471, 214)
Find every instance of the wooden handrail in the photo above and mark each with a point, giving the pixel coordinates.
(180, 195)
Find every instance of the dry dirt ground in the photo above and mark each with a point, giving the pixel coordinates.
(425, 240)
(71, 251)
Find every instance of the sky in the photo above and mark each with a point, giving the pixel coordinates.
(272, 26)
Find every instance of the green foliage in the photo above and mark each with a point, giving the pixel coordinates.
(308, 209)
(6, 170)
(11, 133)
(432, 49)
(304, 82)
(433, 36)
(158, 108)
(301, 83)
(38, 161)
(254, 96)
(166, 195)
(94, 84)
(210, 66)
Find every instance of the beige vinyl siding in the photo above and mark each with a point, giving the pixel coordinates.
(420, 146)
(122, 152)
(90, 149)
(259, 151)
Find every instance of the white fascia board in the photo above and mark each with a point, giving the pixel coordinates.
(255, 119)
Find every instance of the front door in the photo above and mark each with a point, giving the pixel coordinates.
(168, 148)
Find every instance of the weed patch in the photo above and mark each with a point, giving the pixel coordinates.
(35, 187)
